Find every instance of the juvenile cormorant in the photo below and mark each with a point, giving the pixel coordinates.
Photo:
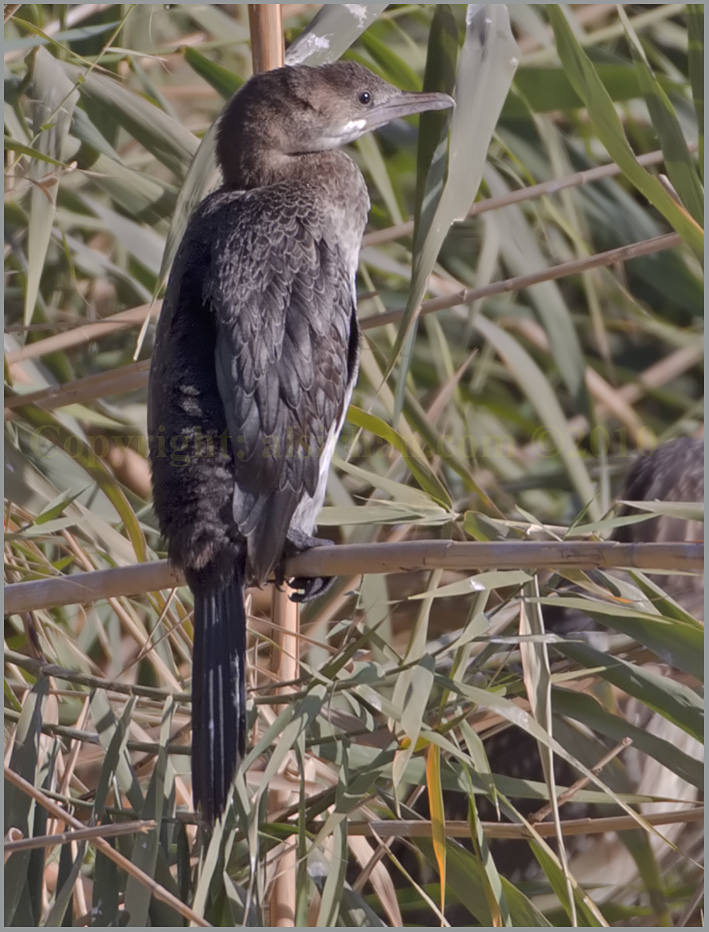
(255, 358)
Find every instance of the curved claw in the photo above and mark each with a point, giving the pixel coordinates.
(309, 587)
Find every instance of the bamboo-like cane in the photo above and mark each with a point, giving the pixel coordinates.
(135, 316)
(79, 834)
(286, 666)
(357, 559)
(268, 51)
(519, 282)
(266, 27)
(91, 330)
(408, 828)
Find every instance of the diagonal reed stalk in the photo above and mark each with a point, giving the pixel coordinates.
(135, 375)
(124, 863)
(135, 317)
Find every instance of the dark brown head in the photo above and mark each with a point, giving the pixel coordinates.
(293, 111)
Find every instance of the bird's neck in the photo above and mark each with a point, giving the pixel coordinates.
(260, 166)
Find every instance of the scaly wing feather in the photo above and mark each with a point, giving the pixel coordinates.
(281, 296)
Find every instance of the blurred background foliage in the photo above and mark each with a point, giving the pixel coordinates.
(504, 417)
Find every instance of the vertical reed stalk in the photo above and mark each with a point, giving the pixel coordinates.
(267, 52)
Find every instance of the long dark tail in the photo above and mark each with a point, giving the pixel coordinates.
(218, 688)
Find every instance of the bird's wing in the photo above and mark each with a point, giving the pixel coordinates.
(283, 303)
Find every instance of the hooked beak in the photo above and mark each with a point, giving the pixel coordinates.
(400, 104)
(404, 104)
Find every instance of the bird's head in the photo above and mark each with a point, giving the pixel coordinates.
(296, 110)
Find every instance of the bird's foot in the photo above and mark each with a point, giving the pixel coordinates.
(306, 587)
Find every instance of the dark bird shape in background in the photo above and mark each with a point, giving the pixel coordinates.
(672, 472)
(255, 359)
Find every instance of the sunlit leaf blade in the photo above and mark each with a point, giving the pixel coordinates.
(355, 911)
(412, 692)
(374, 163)
(393, 66)
(481, 582)
(146, 848)
(467, 884)
(413, 688)
(512, 713)
(610, 131)
(695, 15)
(381, 512)
(223, 81)
(523, 255)
(669, 698)
(665, 605)
(18, 807)
(116, 763)
(440, 75)
(55, 99)
(537, 388)
(64, 36)
(420, 470)
(331, 32)
(202, 175)
(85, 130)
(144, 244)
(548, 88)
(217, 22)
(438, 817)
(679, 162)
(402, 494)
(12, 145)
(687, 511)
(144, 198)
(588, 912)
(587, 709)
(63, 898)
(674, 642)
(485, 68)
(536, 675)
(92, 465)
(169, 141)
(497, 902)
(335, 879)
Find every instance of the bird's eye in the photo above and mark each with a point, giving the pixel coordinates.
(365, 97)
